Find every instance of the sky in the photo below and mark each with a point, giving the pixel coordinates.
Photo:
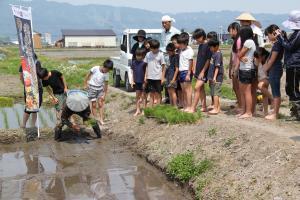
(178, 6)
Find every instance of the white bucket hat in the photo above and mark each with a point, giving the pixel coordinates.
(293, 22)
(77, 100)
(167, 18)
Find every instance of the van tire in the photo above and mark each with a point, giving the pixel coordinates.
(116, 79)
(127, 84)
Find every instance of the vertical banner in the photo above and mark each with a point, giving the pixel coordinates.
(23, 19)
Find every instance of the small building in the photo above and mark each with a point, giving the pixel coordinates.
(89, 38)
(47, 38)
(37, 40)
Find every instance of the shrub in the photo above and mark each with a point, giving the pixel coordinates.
(171, 115)
(183, 167)
(6, 102)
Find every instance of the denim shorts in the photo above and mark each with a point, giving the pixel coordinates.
(182, 76)
(274, 79)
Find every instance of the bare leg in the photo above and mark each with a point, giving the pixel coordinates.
(235, 84)
(25, 119)
(216, 108)
(247, 90)
(138, 103)
(189, 93)
(33, 120)
(242, 96)
(274, 115)
(101, 111)
(199, 90)
(254, 96)
(172, 94)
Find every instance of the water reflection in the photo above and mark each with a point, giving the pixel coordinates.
(10, 118)
(90, 173)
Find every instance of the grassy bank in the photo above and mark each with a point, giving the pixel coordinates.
(74, 73)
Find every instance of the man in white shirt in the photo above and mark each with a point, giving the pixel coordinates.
(167, 32)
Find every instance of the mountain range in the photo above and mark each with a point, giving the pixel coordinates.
(49, 16)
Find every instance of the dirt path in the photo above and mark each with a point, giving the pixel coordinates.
(254, 159)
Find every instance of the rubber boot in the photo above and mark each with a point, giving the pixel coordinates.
(97, 130)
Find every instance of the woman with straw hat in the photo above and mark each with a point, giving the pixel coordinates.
(292, 61)
(246, 19)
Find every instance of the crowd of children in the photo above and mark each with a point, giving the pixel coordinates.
(252, 67)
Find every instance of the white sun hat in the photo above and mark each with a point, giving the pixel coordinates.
(246, 17)
(77, 100)
(167, 18)
(293, 22)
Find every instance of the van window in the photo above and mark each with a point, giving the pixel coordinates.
(156, 36)
(124, 41)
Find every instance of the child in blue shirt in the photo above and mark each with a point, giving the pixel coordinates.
(172, 73)
(215, 75)
(138, 68)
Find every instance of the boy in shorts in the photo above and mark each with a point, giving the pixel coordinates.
(138, 68)
(155, 72)
(97, 83)
(215, 75)
(57, 88)
(185, 70)
(201, 69)
(172, 73)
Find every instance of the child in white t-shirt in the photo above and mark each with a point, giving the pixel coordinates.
(97, 84)
(155, 72)
(185, 70)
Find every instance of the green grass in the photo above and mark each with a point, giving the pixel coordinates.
(171, 115)
(184, 167)
(74, 75)
(229, 142)
(141, 120)
(201, 184)
(212, 132)
(6, 102)
(226, 91)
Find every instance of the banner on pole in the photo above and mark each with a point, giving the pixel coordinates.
(23, 19)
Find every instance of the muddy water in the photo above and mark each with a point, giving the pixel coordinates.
(11, 118)
(80, 169)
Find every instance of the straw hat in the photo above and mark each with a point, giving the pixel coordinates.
(245, 17)
(77, 100)
(293, 22)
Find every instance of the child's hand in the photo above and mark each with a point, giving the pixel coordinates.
(162, 81)
(214, 80)
(66, 90)
(76, 128)
(54, 100)
(172, 82)
(201, 76)
(132, 84)
(187, 78)
(244, 59)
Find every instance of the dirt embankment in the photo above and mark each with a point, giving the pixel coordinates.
(253, 159)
